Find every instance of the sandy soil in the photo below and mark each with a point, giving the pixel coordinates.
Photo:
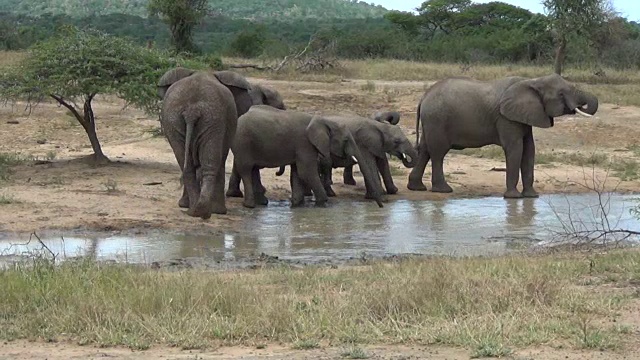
(70, 193)
(19, 350)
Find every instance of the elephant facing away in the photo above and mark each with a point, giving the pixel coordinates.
(375, 140)
(460, 112)
(245, 95)
(199, 119)
(267, 137)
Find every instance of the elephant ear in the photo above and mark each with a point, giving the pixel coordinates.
(240, 88)
(522, 102)
(372, 138)
(319, 135)
(171, 77)
(258, 97)
(231, 78)
(392, 117)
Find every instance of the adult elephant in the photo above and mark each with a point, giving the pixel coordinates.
(245, 95)
(267, 137)
(199, 116)
(460, 112)
(375, 140)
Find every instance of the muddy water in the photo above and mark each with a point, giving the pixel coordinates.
(479, 226)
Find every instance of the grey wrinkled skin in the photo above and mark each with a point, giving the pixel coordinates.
(245, 95)
(460, 112)
(375, 140)
(391, 117)
(267, 137)
(199, 119)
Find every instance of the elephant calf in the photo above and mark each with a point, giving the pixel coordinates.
(458, 113)
(268, 137)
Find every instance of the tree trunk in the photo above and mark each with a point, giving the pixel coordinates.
(87, 120)
(560, 55)
(90, 127)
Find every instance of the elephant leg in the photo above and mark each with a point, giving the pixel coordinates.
(298, 188)
(219, 206)
(385, 171)
(325, 177)
(438, 152)
(234, 184)
(527, 164)
(513, 152)
(245, 173)
(259, 189)
(178, 151)
(308, 172)
(347, 176)
(415, 177)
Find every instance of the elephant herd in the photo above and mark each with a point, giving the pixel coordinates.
(205, 114)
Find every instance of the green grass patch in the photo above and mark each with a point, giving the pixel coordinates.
(508, 301)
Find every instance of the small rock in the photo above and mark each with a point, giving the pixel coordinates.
(41, 141)
(14, 122)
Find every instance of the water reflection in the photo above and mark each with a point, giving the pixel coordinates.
(480, 226)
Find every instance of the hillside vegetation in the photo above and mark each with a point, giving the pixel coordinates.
(245, 9)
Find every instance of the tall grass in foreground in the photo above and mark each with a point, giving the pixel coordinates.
(475, 303)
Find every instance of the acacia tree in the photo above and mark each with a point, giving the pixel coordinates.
(181, 16)
(582, 18)
(74, 66)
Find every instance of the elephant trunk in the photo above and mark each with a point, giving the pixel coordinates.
(587, 102)
(369, 172)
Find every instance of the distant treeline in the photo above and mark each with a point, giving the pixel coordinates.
(487, 35)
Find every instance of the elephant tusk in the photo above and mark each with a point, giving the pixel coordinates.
(583, 113)
(354, 159)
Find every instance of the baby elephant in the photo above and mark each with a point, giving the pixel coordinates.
(268, 137)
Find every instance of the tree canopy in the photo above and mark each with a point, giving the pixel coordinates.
(74, 66)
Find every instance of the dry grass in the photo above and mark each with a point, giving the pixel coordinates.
(8, 58)
(484, 305)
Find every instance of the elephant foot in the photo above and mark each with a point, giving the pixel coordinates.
(321, 204)
(184, 202)
(441, 188)
(350, 181)
(416, 186)
(330, 192)
(392, 189)
(530, 193)
(234, 193)
(249, 204)
(201, 210)
(219, 209)
(262, 200)
(512, 194)
(370, 196)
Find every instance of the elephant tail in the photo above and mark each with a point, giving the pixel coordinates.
(190, 118)
(280, 170)
(418, 124)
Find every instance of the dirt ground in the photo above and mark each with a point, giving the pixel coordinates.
(140, 189)
(20, 350)
(69, 193)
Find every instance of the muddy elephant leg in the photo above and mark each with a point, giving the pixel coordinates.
(234, 184)
(385, 171)
(308, 171)
(259, 189)
(297, 187)
(178, 151)
(347, 176)
(245, 173)
(527, 165)
(513, 152)
(415, 177)
(438, 149)
(219, 206)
